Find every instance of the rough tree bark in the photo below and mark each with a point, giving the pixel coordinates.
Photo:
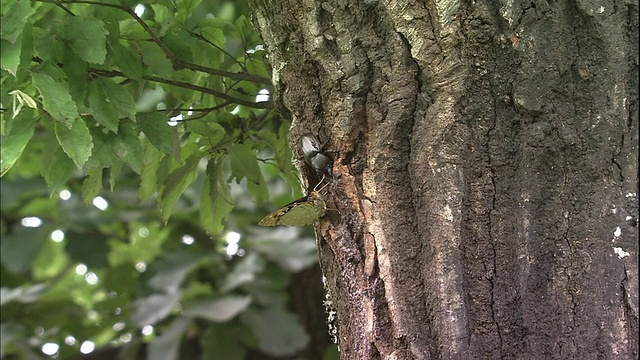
(485, 171)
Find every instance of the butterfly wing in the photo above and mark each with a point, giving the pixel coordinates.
(305, 211)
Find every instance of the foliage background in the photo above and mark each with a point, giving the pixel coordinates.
(139, 150)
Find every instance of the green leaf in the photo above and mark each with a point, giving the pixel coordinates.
(279, 332)
(14, 143)
(20, 248)
(140, 247)
(214, 132)
(14, 18)
(104, 112)
(172, 270)
(156, 59)
(167, 345)
(91, 251)
(259, 191)
(75, 70)
(109, 101)
(178, 47)
(92, 185)
(225, 341)
(56, 167)
(216, 202)
(126, 60)
(22, 294)
(10, 55)
(76, 142)
(102, 155)
(113, 173)
(164, 137)
(151, 163)
(177, 182)
(87, 38)
(292, 253)
(244, 163)
(218, 310)
(120, 98)
(243, 272)
(128, 148)
(149, 310)
(246, 30)
(56, 99)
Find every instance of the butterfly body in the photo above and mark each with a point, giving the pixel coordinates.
(304, 211)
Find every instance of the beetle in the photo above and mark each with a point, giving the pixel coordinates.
(313, 155)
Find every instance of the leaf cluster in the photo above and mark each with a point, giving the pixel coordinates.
(159, 108)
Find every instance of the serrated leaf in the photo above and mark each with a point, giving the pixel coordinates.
(127, 147)
(216, 202)
(56, 167)
(102, 155)
(127, 62)
(92, 185)
(114, 170)
(177, 182)
(259, 191)
(75, 70)
(120, 98)
(244, 163)
(104, 112)
(76, 142)
(87, 38)
(10, 55)
(149, 176)
(218, 310)
(56, 99)
(14, 18)
(164, 137)
(14, 143)
(156, 59)
(246, 30)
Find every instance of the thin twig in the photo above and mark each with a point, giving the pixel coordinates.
(114, 73)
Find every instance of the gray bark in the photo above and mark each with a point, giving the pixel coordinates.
(485, 171)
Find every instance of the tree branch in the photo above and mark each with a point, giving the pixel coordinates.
(202, 89)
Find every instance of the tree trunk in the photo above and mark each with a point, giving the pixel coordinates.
(484, 171)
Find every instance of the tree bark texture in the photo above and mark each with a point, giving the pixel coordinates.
(484, 171)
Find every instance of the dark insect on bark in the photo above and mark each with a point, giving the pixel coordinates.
(313, 155)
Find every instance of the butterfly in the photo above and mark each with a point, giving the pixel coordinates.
(304, 211)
